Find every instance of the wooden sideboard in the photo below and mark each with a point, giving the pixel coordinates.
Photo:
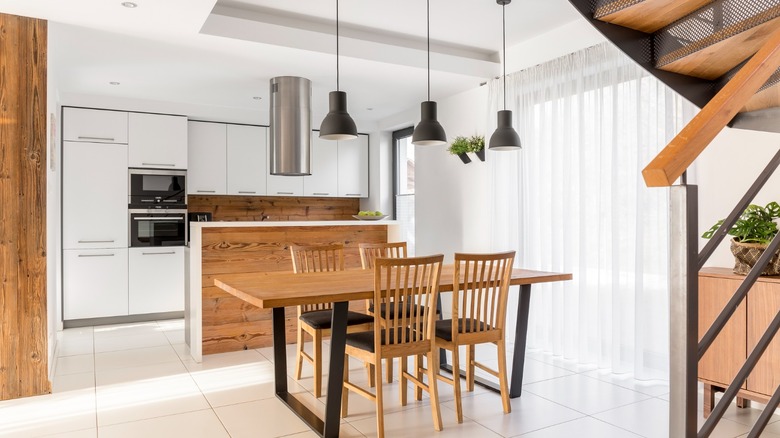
(730, 350)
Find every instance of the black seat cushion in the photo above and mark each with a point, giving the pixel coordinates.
(365, 340)
(444, 327)
(320, 319)
(411, 309)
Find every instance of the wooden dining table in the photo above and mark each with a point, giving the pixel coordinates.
(277, 290)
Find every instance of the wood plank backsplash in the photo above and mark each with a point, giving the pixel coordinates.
(274, 208)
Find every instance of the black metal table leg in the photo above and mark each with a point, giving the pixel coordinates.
(521, 332)
(338, 338)
(518, 357)
(280, 351)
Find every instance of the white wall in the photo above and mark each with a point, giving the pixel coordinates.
(53, 210)
(724, 172)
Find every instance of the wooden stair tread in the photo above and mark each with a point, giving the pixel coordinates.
(649, 15)
(717, 59)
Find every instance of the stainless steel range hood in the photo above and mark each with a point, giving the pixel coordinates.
(290, 126)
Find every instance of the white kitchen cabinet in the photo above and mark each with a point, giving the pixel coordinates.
(353, 167)
(94, 195)
(95, 126)
(156, 280)
(94, 283)
(207, 174)
(324, 177)
(285, 185)
(157, 141)
(247, 160)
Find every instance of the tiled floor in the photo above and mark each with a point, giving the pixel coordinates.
(137, 380)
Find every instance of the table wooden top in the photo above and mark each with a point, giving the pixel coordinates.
(282, 289)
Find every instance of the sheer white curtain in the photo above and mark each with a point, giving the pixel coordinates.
(573, 200)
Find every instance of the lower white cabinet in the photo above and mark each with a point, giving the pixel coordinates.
(94, 283)
(156, 280)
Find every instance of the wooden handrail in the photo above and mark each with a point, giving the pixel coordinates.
(672, 161)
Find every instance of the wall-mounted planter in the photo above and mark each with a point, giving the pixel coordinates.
(465, 158)
(480, 155)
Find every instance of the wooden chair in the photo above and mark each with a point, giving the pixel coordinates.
(316, 319)
(396, 281)
(368, 253)
(479, 297)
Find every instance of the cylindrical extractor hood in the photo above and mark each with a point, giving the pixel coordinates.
(290, 126)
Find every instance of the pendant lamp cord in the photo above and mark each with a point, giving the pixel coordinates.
(337, 46)
(503, 19)
(428, 25)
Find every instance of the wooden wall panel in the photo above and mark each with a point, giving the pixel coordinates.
(23, 315)
(229, 323)
(274, 208)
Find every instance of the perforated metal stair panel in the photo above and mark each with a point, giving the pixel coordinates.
(602, 8)
(709, 25)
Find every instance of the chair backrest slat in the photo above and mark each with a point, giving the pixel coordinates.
(481, 288)
(372, 251)
(317, 258)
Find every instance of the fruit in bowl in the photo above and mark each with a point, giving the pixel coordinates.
(370, 213)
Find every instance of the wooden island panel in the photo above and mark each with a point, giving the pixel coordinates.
(230, 324)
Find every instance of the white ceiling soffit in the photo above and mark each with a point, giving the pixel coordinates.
(286, 29)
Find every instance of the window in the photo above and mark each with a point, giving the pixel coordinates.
(403, 183)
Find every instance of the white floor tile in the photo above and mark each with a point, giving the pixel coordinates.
(529, 413)
(85, 433)
(73, 347)
(583, 427)
(81, 363)
(252, 419)
(242, 383)
(415, 423)
(584, 394)
(653, 388)
(136, 357)
(648, 418)
(197, 424)
(73, 382)
(48, 414)
(560, 362)
(134, 328)
(132, 341)
(217, 361)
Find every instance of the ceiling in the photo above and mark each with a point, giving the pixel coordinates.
(222, 53)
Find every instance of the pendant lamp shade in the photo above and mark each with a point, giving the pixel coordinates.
(338, 124)
(505, 138)
(429, 131)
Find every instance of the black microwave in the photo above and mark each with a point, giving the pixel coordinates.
(151, 188)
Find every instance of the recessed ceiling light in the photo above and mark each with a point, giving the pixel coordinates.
(130, 5)
(256, 97)
(114, 83)
(369, 109)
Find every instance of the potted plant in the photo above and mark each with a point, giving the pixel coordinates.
(461, 147)
(477, 143)
(752, 232)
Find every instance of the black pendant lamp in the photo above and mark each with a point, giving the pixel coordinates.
(338, 124)
(429, 131)
(505, 137)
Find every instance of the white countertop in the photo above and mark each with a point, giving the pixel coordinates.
(233, 224)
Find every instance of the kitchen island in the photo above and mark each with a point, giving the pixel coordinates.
(216, 321)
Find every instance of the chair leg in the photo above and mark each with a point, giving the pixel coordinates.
(470, 368)
(456, 382)
(502, 378)
(380, 416)
(402, 379)
(344, 390)
(299, 356)
(389, 366)
(317, 363)
(418, 364)
(433, 388)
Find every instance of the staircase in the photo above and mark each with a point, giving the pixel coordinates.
(723, 56)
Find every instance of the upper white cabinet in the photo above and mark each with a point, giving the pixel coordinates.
(285, 185)
(94, 195)
(95, 126)
(157, 141)
(324, 177)
(156, 280)
(247, 157)
(207, 158)
(353, 167)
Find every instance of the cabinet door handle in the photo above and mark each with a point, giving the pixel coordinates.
(158, 253)
(320, 194)
(96, 241)
(167, 218)
(158, 164)
(206, 191)
(247, 192)
(96, 255)
(84, 137)
(284, 193)
(353, 194)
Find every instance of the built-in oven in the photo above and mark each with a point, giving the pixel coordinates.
(156, 227)
(152, 188)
